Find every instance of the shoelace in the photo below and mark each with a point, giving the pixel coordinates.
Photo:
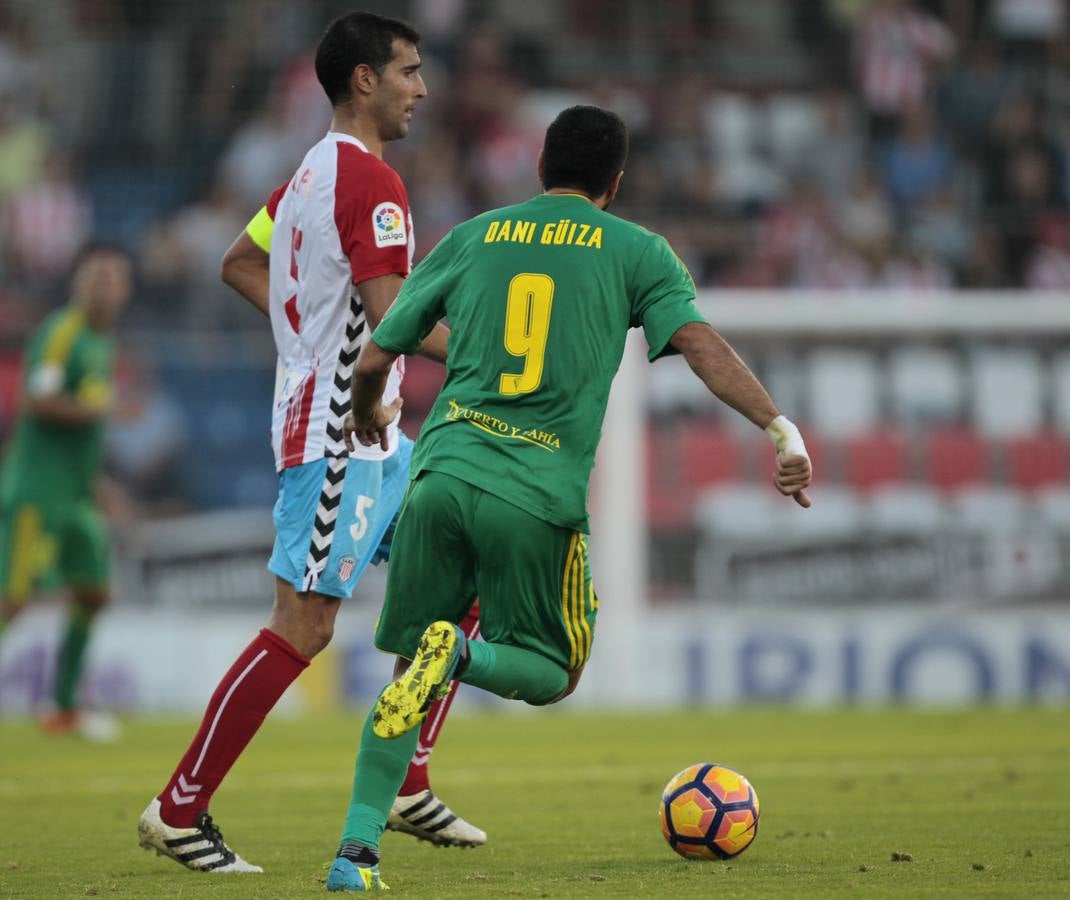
(214, 836)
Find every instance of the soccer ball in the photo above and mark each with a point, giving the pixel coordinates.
(709, 812)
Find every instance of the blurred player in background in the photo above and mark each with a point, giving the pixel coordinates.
(540, 298)
(339, 243)
(52, 532)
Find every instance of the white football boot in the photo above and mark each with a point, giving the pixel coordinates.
(200, 848)
(426, 817)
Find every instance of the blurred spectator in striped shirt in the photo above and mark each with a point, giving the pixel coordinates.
(47, 222)
(897, 47)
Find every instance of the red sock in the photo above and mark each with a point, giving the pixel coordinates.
(417, 778)
(241, 701)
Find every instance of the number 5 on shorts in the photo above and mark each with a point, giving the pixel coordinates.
(357, 529)
(527, 325)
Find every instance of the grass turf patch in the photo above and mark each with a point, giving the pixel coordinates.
(870, 803)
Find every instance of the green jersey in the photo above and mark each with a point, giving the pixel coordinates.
(540, 297)
(64, 355)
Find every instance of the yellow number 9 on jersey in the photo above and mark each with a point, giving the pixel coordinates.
(527, 324)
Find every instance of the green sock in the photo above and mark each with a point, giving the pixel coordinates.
(514, 673)
(71, 660)
(380, 771)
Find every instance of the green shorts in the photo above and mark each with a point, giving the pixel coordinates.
(43, 546)
(454, 541)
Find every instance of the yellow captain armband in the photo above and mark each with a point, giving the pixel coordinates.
(260, 228)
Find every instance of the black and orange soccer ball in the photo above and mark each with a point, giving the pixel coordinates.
(709, 812)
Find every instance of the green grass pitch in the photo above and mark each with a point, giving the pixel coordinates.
(980, 801)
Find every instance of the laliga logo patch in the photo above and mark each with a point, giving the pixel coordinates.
(389, 225)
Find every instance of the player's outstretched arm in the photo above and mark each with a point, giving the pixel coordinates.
(728, 378)
(245, 268)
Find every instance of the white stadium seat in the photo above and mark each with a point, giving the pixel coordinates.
(906, 510)
(672, 387)
(741, 511)
(990, 509)
(1007, 391)
(758, 513)
(926, 384)
(1053, 507)
(837, 514)
(843, 391)
(780, 372)
(1060, 382)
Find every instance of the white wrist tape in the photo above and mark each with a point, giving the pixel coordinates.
(786, 437)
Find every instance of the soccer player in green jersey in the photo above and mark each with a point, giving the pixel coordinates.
(540, 297)
(51, 531)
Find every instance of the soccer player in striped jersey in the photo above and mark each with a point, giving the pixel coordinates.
(51, 532)
(540, 297)
(339, 244)
(416, 811)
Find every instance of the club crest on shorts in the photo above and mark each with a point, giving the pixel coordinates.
(345, 567)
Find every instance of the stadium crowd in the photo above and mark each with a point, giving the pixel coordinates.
(855, 143)
(834, 144)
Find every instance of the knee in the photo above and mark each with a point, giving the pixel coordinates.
(305, 621)
(307, 635)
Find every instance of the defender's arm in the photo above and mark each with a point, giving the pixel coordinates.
(245, 268)
(378, 293)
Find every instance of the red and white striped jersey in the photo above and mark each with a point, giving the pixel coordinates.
(894, 50)
(342, 219)
(46, 224)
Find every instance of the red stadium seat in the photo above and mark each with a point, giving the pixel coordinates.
(874, 460)
(710, 454)
(1037, 460)
(667, 505)
(955, 457)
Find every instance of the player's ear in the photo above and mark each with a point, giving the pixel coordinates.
(539, 168)
(364, 80)
(614, 187)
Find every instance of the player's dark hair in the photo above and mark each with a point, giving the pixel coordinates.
(355, 39)
(585, 148)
